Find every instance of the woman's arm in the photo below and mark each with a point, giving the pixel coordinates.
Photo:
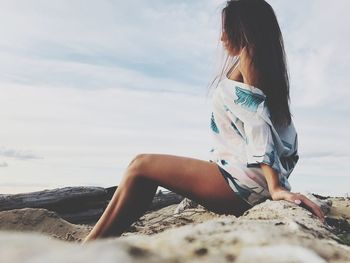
(277, 191)
(271, 178)
(280, 193)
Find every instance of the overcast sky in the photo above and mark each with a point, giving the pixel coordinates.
(87, 85)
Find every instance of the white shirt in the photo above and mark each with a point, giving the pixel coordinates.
(243, 136)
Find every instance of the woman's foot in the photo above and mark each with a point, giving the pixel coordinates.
(88, 238)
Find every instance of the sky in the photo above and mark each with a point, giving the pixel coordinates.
(87, 85)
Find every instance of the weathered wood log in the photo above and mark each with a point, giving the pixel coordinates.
(88, 217)
(59, 199)
(77, 204)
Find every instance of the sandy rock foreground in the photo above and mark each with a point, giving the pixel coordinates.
(273, 231)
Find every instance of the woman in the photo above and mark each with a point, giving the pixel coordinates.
(255, 142)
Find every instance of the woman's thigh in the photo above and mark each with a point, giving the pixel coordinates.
(193, 178)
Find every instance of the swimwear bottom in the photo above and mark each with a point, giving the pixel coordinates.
(226, 175)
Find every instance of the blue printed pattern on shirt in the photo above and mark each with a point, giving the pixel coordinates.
(248, 99)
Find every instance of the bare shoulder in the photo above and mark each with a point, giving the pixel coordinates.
(236, 75)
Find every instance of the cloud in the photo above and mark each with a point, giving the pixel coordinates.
(90, 84)
(102, 45)
(318, 154)
(92, 135)
(56, 45)
(3, 164)
(21, 155)
(317, 42)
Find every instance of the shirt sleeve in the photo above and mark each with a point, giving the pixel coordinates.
(259, 143)
(247, 106)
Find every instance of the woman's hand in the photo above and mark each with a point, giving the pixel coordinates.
(282, 194)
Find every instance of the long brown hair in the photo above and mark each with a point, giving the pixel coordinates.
(253, 24)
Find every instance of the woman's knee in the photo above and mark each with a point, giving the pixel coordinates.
(136, 164)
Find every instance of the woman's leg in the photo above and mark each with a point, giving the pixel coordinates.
(196, 179)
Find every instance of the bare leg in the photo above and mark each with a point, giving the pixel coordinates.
(196, 179)
(131, 199)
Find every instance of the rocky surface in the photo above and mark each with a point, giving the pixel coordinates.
(273, 231)
(42, 221)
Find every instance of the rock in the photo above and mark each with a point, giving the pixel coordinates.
(279, 253)
(272, 231)
(42, 221)
(267, 227)
(165, 218)
(32, 247)
(325, 204)
(185, 204)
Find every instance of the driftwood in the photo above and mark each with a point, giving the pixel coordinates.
(78, 205)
